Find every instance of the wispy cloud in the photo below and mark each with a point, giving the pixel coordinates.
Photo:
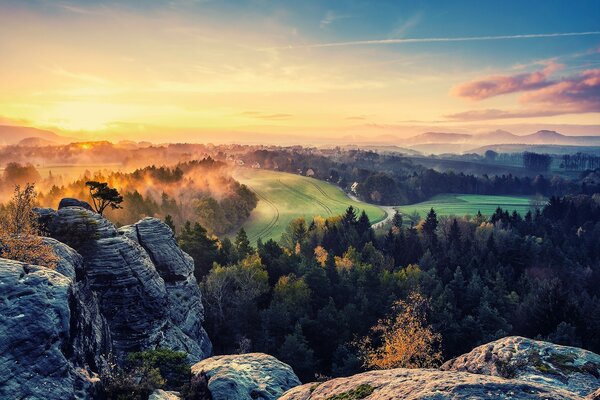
(404, 26)
(266, 116)
(331, 17)
(444, 39)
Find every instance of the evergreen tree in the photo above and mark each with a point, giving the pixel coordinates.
(194, 240)
(296, 352)
(169, 222)
(430, 225)
(242, 244)
(397, 220)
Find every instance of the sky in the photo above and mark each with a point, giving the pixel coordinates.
(260, 70)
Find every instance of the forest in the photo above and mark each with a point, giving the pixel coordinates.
(200, 190)
(310, 298)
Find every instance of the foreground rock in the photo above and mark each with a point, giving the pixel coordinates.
(144, 283)
(160, 394)
(529, 360)
(51, 334)
(246, 376)
(413, 384)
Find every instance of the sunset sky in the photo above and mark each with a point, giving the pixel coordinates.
(189, 70)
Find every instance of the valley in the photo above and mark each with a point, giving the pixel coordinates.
(284, 197)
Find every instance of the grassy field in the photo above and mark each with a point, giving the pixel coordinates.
(283, 197)
(468, 204)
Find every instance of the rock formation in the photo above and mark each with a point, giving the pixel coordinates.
(529, 360)
(246, 376)
(509, 368)
(413, 384)
(70, 202)
(176, 268)
(145, 284)
(112, 292)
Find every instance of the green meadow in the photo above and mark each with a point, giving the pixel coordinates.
(284, 196)
(468, 204)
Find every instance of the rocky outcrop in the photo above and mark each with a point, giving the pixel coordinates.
(246, 376)
(529, 360)
(144, 283)
(51, 334)
(413, 384)
(70, 202)
(176, 268)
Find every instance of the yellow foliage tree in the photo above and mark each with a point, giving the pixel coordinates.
(404, 339)
(20, 231)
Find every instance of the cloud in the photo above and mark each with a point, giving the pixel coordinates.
(487, 114)
(497, 85)
(266, 116)
(580, 92)
(405, 26)
(576, 94)
(331, 17)
(357, 118)
(439, 39)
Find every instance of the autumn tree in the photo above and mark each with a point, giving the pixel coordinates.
(20, 231)
(402, 340)
(104, 196)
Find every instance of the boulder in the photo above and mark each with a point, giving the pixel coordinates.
(70, 202)
(42, 354)
(246, 376)
(515, 357)
(160, 394)
(413, 384)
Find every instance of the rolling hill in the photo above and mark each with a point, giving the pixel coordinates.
(11, 135)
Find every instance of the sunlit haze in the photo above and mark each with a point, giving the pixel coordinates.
(263, 71)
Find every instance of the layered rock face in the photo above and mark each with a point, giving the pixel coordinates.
(529, 360)
(144, 283)
(247, 376)
(51, 333)
(176, 268)
(413, 384)
(112, 292)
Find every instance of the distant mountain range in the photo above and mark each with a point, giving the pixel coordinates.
(427, 143)
(26, 136)
(501, 137)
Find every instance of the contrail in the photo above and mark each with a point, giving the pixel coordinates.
(441, 39)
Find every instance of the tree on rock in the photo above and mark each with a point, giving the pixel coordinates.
(104, 196)
(20, 233)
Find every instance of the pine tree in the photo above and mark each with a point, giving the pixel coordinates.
(242, 244)
(397, 220)
(296, 352)
(194, 240)
(430, 225)
(169, 222)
